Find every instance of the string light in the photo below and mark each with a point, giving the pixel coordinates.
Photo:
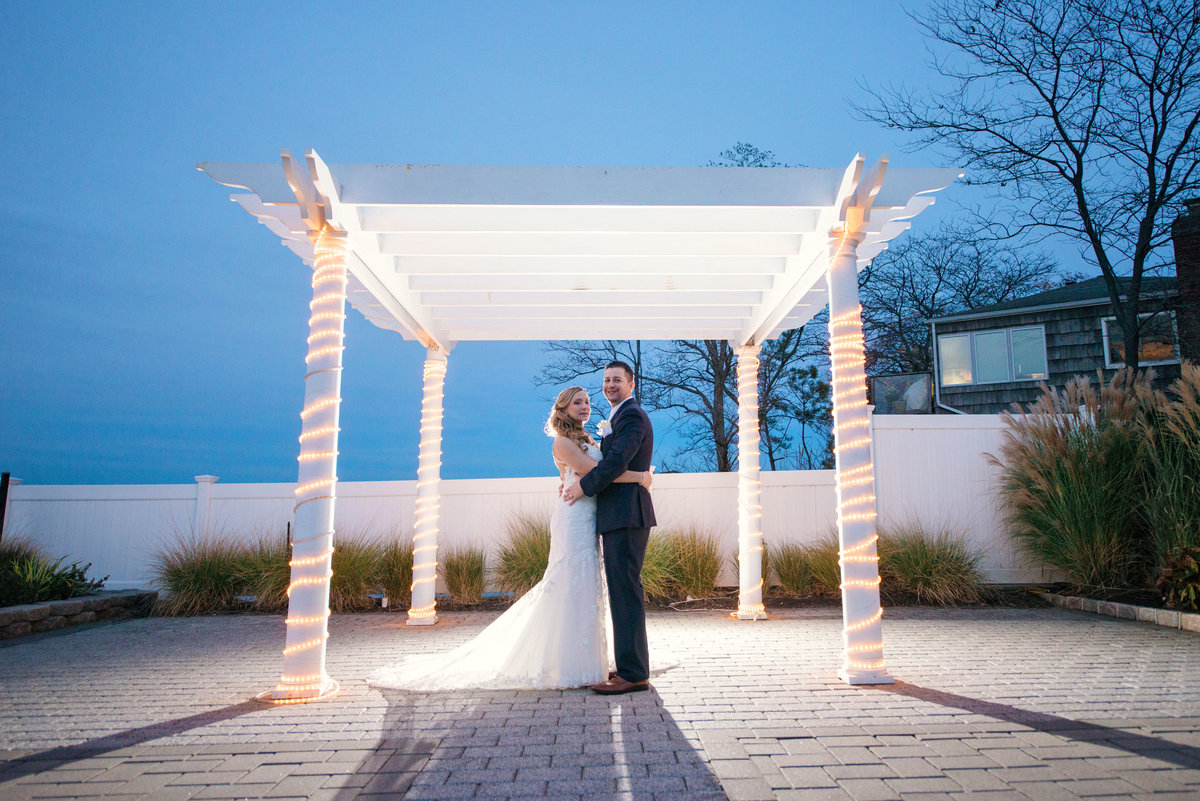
(312, 485)
(304, 646)
(311, 560)
(750, 542)
(319, 352)
(308, 456)
(857, 443)
(308, 581)
(326, 298)
(326, 316)
(865, 623)
(423, 609)
(318, 432)
(304, 678)
(857, 555)
(308, 411)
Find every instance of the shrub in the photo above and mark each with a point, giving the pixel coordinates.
(263, 572)
(793, 571)
(357, 559)
(931, 568)
(1171, 423)
(28, 575)
(396, 571)
(1179, 580)
(465, 570)
(199, 576)
(523, 557)
(1070, 482)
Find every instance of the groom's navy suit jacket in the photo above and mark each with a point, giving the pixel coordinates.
(628, 447)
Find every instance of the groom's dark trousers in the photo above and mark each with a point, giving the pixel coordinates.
(624, 552)
(624, 517)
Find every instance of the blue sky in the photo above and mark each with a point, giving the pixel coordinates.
(155, 332)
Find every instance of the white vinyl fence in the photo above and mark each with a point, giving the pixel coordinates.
(932, 470)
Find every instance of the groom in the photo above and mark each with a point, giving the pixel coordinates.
(624, 516)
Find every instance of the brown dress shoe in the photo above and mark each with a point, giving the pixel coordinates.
(619, 686)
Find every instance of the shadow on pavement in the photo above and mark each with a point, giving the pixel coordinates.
(1164, 750)
(517, 743)
(40, 761)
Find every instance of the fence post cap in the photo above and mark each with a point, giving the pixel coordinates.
(206, 479)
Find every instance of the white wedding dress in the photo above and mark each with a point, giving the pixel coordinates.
(554, 637)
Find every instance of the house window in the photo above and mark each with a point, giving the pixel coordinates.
(1158, 345)
(992, 357)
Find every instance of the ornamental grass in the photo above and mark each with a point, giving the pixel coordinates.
(697, 560)
(263, 572)
(793, 570)
(929, 567)
(199, 576)
(523, 557)
(464, 570)
(357, 562)
(660, 568)
(825, 571)
(1072, 477)
(1171, 502)
(396, 570)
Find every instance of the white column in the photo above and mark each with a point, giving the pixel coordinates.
(423, 611)
(203, 502)
(304, 677)
(862, 635)
(750, 541)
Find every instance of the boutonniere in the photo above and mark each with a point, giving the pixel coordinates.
(604, 429)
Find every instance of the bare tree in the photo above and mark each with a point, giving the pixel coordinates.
(1082, 113)
(573, 361)
(929, 275)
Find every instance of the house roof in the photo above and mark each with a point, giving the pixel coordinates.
(447, 253)
(1092, 292)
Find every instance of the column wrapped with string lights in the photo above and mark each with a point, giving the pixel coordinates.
(862, 630)
(750, 540)
(304, 677)
(423, 611)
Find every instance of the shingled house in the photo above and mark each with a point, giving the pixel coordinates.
(989, 358)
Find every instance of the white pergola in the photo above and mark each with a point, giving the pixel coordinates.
(445, 254)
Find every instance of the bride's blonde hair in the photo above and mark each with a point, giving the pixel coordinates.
(562, 424)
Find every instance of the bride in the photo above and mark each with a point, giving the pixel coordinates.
(555, 636)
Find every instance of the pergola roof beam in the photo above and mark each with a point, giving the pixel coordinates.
(564, 244)
(583, 264)
(446, 253)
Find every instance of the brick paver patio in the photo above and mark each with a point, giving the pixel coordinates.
(989, 704)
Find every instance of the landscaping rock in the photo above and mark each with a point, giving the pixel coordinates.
(16, 629)
(86, 616)
(30, 612)
(49, 624)
(71, 606)
(1189, 621)
(1168, 617)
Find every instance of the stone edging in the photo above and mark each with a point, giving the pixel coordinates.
(1171, 618)
(16, 621)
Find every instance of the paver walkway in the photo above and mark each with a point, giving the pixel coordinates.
(989, 704)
